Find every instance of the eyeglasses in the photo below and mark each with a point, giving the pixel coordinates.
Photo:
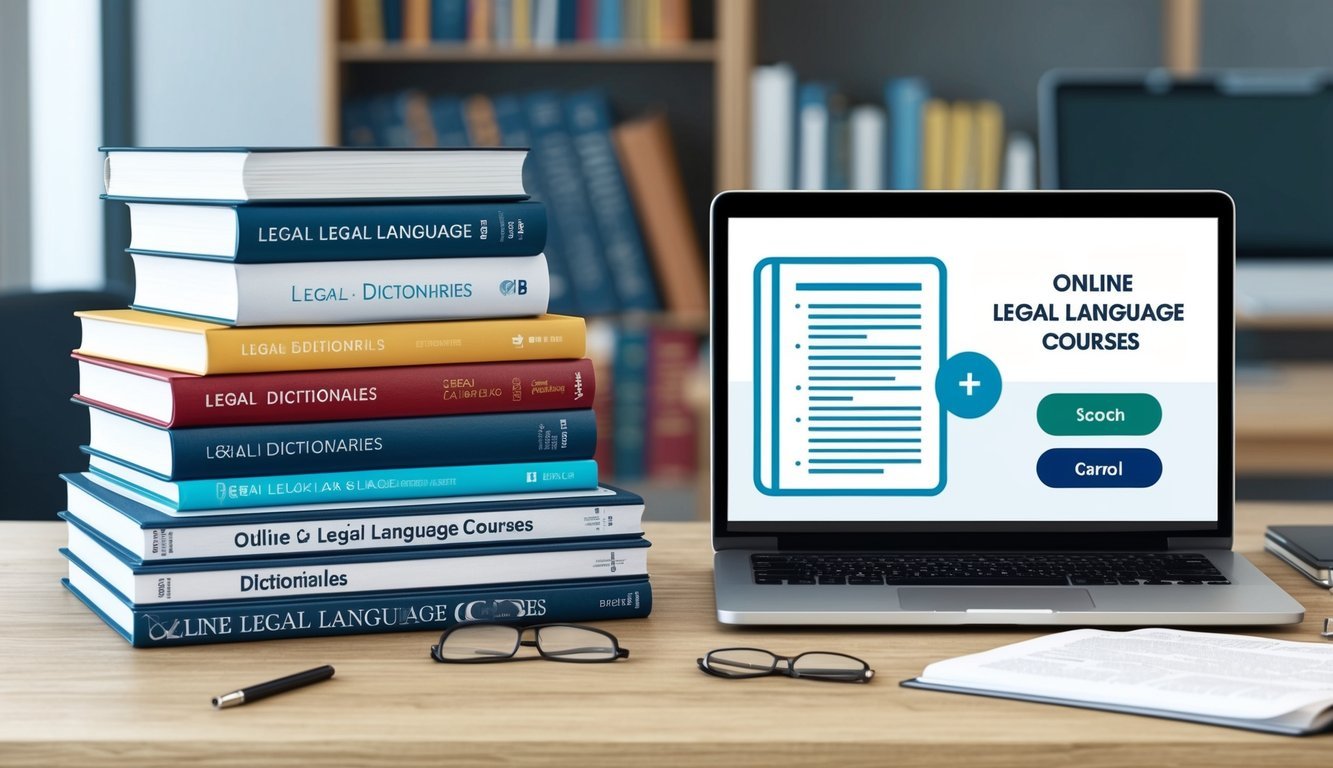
(482, 642)
(737, 663)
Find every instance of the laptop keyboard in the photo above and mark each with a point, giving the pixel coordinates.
(1063, 569)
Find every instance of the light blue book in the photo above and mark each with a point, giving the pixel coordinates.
(905, 99)
(364, 485)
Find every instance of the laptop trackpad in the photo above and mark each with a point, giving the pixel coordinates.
(994, 598)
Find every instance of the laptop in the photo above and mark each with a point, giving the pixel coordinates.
(976, 408)
(1260, 135)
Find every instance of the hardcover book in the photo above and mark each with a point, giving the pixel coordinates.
(343, 292)
(148, 530)
(434, 609)
(349, 573)
(171, 399)
(266, 234)
(194, 346)
(243, 174)
(334, 446)
(352, 486)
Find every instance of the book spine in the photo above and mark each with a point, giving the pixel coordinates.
(553, 151)
(630, 402)
(391, 291)
(305, 348)
(403, 531)
(450, 129)
(589, 119)
(609, 23)
(348, 292)
(400, 612)
(384, 484)
(336, 446)
(448, 20)
(513, 126)
(383, 393)
(905, 98)
(305, 233)
(567, 20)
(393, 19)
(586, 19)
(670, 442)
(245, 581)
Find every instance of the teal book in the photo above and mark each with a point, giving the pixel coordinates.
(358, 486)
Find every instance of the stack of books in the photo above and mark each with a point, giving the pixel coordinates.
(338, 406)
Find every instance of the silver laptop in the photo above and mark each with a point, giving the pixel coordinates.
(977, 408)
(1259, 135)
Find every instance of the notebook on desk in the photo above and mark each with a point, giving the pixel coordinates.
(976, 408)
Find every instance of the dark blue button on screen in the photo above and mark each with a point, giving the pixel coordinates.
(1099, 468)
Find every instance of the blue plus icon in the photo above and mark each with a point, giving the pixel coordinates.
(968, 385)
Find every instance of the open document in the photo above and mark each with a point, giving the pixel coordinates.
(846, 351)
(1231, 680)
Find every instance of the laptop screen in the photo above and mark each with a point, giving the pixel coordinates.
(1264, 144)
(1008, 372)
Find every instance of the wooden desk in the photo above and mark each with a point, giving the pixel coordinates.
(73, 693)
(1284, 420)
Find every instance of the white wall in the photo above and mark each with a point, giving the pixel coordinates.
(239, 72)
(65, 129)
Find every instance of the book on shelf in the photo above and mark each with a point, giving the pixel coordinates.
(670, 442)
(173, 624)
(559, 165)
(1237, 681)
(416, 21)
(512, 123)
(905, 101)
(347, 573)
(342, 292)
(630, 416)
(350, 486)
(772, 129)
(171, 399)
(588, 116)
(241, 174)
(195, 346)
(149, 531)
(448, 21)
(197, 453)
(868, 139)
(652, 175)
(935, 144)
(812, 136)
(264, 234)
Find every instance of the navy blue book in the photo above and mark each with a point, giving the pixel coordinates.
(514, 133)
(356, 128)
(393, 19)
(567, 21)
(341, 446)
(558, 163)
(448, 22)
(434, 609)
(589, 119)
(447, 115)
(629, 399)
(266, 234)
(150, 531)
(350, 573)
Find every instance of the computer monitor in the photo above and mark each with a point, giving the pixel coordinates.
(1264, 137)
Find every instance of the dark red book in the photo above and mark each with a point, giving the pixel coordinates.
(586, 20)
(672, 447)
(171, 399)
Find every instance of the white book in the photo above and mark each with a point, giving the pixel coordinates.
(1020, 162)
(362, 572)
(1238, 681)
(869, 138)
(772, 138)
(545, 22)
(812, 171)
(342, 292)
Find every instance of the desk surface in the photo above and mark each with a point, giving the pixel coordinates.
(73, 693)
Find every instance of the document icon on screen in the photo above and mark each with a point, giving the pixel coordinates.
(846, 353)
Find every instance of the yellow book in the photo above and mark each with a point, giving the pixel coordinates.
(652, 22)
(193, 346)
(522, 23)
(989, 132)
(960, 162)
(934, 142)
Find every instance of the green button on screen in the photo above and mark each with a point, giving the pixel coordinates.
(1099, 414)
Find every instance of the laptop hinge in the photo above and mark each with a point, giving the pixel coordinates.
(1199, 542)
(745, 542)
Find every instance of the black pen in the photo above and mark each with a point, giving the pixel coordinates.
(262, 690)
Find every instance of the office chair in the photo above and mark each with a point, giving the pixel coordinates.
(40, 429)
